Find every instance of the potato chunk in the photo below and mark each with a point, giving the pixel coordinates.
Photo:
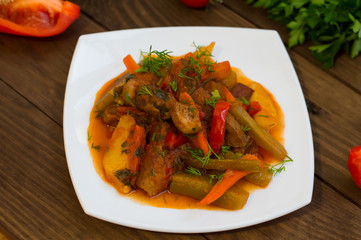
(115, 161)
(267, 117)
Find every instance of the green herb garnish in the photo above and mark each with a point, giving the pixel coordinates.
(332, 26)
(214, 99)
(278, 168)
(193, 171)
(145, 91)
(156, 62)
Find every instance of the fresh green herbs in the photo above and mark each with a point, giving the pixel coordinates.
(145, 91)
(173, 85)
(215, 177)
(204, 158)
(214, 99)
(193, 171)
(278, 168)
(245, 129)
(96, 147)
(156, 62)
(127, 98)
(225, 149)
(330, 25)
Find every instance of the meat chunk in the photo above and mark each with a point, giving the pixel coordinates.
(157, 165)
(154, 101)
(186, 118)
(200, 96)
(235, 136)
(240, 90)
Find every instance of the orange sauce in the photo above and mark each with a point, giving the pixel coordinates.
(99, 135)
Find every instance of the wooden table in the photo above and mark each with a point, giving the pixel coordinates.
(37, 198)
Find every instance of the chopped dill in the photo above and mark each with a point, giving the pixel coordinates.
(127, 98)
(279, 167)
(193, 171)
(199, 155)
(225, 149)
(245, 129)
(156, 62)
(215, 177)
(96, 147)
(145, 91)
(214, 99)
(174, 85)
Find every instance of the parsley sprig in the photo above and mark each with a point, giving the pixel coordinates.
(332, 26)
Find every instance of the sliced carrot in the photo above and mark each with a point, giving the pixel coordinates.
(229, 95)
(185, 98)
(221, 70)
(200, 141)
(136, 143)
(130, 64)
(230, 177)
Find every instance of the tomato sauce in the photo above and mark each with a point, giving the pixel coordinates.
(99, 135)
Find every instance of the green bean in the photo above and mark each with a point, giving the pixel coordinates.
(198, 187)
(246, 165)
(261, 178)
(261, 136)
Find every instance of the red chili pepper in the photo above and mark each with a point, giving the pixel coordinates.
(354, 164)
(39, 18)
(172, 140)
(218, 128)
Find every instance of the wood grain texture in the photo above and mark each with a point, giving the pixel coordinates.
(37, 68)
(36, 194)
(328, 216)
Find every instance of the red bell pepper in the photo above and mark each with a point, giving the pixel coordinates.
(37, 18)
(173, 141)
(253, 108)
(218, 129)
(354, 164)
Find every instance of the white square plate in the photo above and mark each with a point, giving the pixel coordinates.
(260, 54)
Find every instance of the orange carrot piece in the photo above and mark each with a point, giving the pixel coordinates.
(135, 141)
(221, 70)
(230, 177)
(130, 64)
(200, 141)
(229, 95)
(184, 97)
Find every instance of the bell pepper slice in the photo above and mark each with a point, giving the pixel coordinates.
(37, 18)
(173, 141)
(218, 129)
(354, 164)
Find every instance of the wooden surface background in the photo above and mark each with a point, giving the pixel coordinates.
(37, 199)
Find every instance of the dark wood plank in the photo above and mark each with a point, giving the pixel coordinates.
(322, 90)
(346, 69)
(38, 68)
(36, 194)
(329, 216)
